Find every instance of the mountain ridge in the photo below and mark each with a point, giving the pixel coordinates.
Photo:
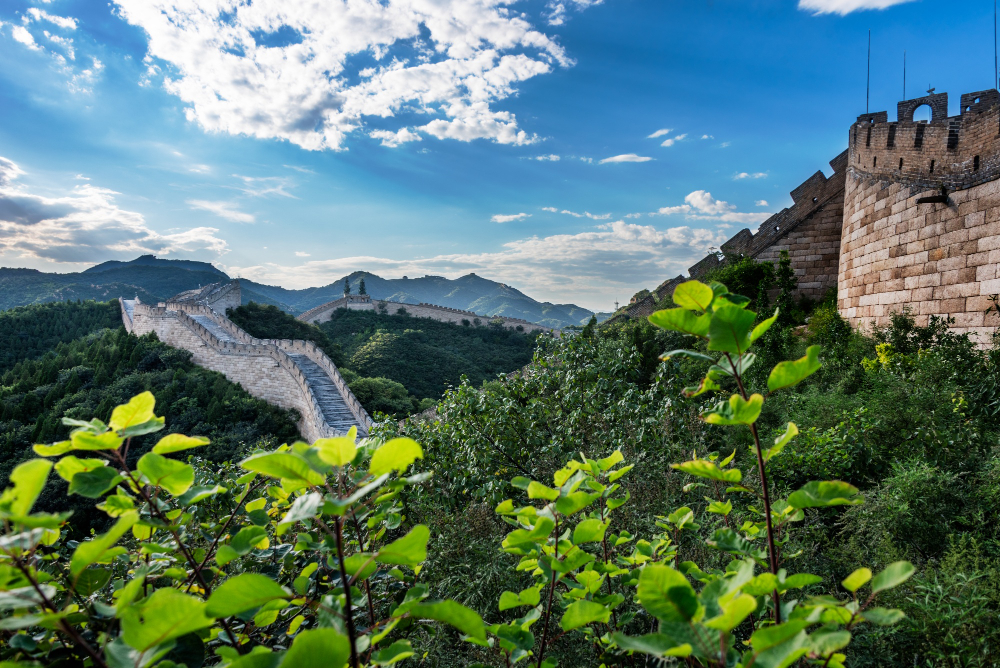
(155, 279)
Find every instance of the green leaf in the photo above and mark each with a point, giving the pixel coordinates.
(730, 541)
(338, 451)
(762, 328)
(283, 465)
(94, 483)
(117, 505)
(733, 612)
(857, 579)
(165, 615)
(455, 614)
(242, 543)
(361, 565)
(884, 616)
(243, 592)
(530, 596)
(101, 549)
(582, 613)
(780, 442)
(693, 295)
(787, 374)
(706, 469)
(736, 411)
(53, 450)
(199, 493)
(589, 531)
(826, 641)
(174, 476)
(69, 466)
(892, 575)
(543, 527)
(318, 648)
(720, 508)
(537, 490)
(825, 493)
(615, 475)
(682, 518)
(138, 410)
(575, 502)
(666, 594)
(654, 644)
(24, 597)
(306, 507)
(688, 353)
(396, 455)
(177, 442)
(85, 440)
(514, 636)
(92, 580)
(615, 457)
(28, 481)
(781, 645)
(729, 329)
(682, 320)
(397, 651)
(410, 550)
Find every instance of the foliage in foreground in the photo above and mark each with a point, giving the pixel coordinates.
(288, 559)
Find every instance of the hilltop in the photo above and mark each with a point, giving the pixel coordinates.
(155, 279)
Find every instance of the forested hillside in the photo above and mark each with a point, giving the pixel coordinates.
(31, 331)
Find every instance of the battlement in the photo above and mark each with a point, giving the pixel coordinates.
(951, 152)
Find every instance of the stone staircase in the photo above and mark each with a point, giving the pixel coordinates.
(291, 374)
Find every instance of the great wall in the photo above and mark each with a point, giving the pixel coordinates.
(910, 218)
(290, 374)
(326, 312)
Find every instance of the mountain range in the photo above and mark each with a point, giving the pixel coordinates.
(153, 279)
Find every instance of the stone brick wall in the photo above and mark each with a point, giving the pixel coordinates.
(936, 258)
(325, 312)
(261, 367)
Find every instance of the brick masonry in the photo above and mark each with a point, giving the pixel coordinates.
(262, 367)
(937, 258)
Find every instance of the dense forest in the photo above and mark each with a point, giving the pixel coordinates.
(892, 562)
(398, 364)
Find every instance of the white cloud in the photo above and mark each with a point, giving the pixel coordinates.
(627, 157)
(312, 74)
(746, 175)
(585, 214)
(227, 210)
(708, 136)
(394, 139)
(301, 254)
(200, 169)
(262, 186)
(550, 158)
(557, 9)
(725, 144)
(761, 202)
(84, 225)
(21, 34)
(844, 7)
(82, 80)
(673, 140)
(507, 218)
(660, 133)
(591, 268)
(700, 205)
(64, 22)
(297, 168)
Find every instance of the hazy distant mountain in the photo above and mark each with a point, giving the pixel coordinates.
(153, 279)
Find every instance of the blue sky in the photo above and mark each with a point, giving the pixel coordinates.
(579, 150)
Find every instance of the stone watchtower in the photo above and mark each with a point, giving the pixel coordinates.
(922, 214)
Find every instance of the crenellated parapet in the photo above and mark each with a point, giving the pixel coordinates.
(922, 215)
(951, 152)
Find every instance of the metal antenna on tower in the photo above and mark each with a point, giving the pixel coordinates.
(868, 86)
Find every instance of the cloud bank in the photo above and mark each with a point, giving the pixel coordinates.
(313, 74)
(700, 205)
(844, 7)
(83, 225)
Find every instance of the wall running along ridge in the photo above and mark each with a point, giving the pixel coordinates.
(938, 257)
(327, 311)
(809, 230)
(289, 374)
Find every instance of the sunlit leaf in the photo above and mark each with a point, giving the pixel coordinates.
(786, 374)
(666, 594)
(581, 613)
(138, 410)
(410, 550)
(892, 575)
(396, 455)
(682, 320)
(243, 592)
(729, 329)
(177, 442)
(174, 476)
(825, 493)
(693, 295)
(735, 411)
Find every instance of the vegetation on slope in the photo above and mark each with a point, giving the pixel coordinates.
(31, 331)
(87, 377)
(269, 322)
